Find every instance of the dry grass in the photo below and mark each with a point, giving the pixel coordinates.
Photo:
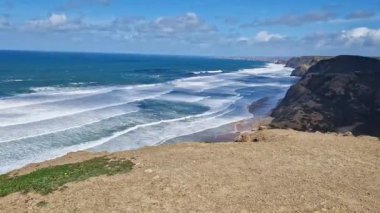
(287, 171)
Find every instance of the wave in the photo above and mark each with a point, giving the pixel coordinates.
(117, 134)
(54, 121)
(39, 112)
(57, 102)
(58, 93)
(83, 83)
(14, 80)
(34, 134)
(48, 96)
(53, 153)
(207, 72)
(151, 136)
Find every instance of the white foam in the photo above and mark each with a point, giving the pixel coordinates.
(207, 72)
(22, 132)
(180, 98)
(57, 153)
(200, 83)
(54, 95)
(12, 80)
(34, 113)
(86, 109)
(270, 68)
(150, 135)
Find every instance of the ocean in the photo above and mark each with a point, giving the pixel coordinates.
(55, 103)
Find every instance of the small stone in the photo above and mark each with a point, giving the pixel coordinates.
(148, 171)
(168, 190)
(347, 134)
(245, 137)
(263, 127)
(156, 177)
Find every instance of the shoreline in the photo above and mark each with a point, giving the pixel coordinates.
(62, 128)
(259, 109)
(234, 131)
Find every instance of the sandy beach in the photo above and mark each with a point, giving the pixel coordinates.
(286, 171)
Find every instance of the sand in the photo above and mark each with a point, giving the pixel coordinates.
(286, 171)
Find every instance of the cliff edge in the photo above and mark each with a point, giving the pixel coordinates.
(303, 63)
(338, 94)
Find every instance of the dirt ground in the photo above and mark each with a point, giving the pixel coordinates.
(286, 171)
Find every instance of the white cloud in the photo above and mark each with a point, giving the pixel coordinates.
(187, 27)
(178, 25)
(361, 36)
(243, 39)
(264, 36)
(55, 21)
(356, 37)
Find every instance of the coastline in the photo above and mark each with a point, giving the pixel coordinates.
(260, 110)
(232, 133)
(283, 170)
(112, 120)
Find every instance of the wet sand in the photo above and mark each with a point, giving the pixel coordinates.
(259, 110)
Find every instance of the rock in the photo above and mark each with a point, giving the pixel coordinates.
(347, 134)
(251, 137)
(300, 70)
(148, 171)
(263, 127)
(302, 64)
(258, 137)
(244, 137)
(335, 93)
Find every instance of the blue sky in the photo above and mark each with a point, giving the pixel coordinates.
(196, 27)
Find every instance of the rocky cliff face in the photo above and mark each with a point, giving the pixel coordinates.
(302, 64)
(338, 94)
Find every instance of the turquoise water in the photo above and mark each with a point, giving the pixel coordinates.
(55, 103)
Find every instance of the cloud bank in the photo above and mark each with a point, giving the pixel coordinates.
(189, 30)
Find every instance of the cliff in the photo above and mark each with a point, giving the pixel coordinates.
(302, 64)
(338, 94)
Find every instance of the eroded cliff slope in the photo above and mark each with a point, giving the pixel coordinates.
(337, 94)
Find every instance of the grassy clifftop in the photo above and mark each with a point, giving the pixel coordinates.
(48, 179)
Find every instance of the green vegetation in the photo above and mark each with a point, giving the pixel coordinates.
(49, 179)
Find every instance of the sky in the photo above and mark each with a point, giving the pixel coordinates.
(193, 27)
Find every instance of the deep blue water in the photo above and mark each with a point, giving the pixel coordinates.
(22, 72)
(55, 103)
